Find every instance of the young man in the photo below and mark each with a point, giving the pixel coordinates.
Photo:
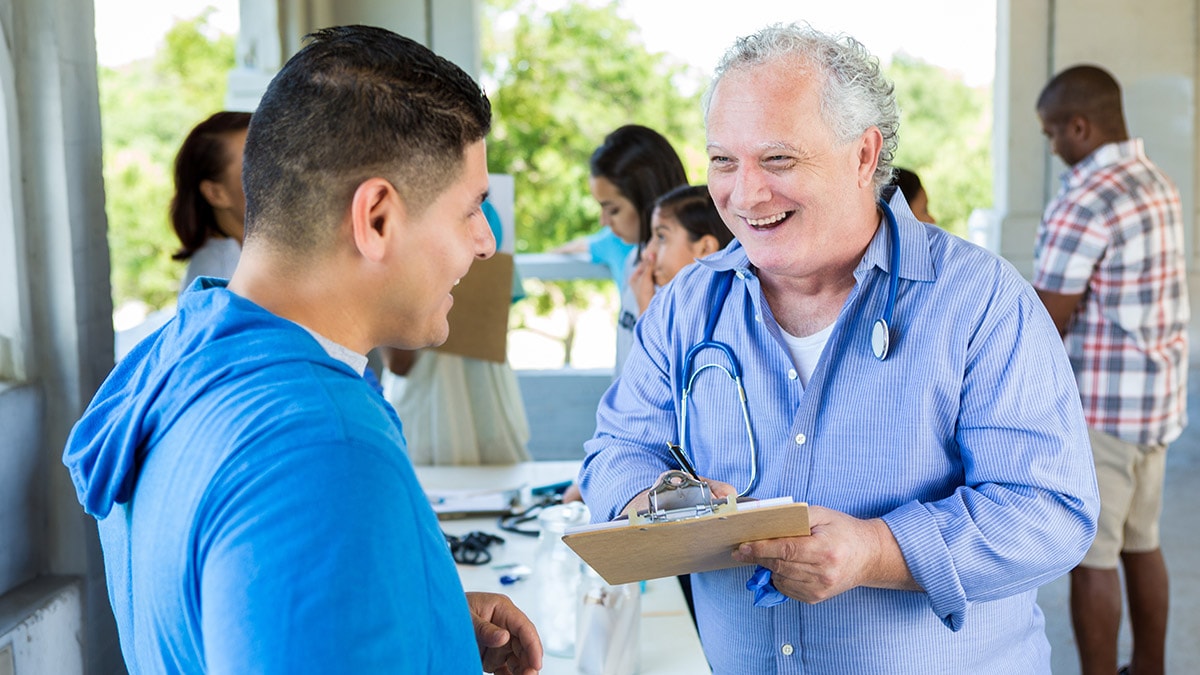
(1110, 269)
(256, 507)
(947, 476)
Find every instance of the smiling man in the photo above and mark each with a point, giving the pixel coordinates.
(942, 451)
(256, 508)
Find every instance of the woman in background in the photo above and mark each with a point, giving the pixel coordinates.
(630, 169)
(914, 193)
(208, 209)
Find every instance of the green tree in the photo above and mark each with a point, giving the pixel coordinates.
(559, 81)
(146, 109)
(945, 136)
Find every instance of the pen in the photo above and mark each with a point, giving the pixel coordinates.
(677, 453)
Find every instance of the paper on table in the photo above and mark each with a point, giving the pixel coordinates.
(466, 502)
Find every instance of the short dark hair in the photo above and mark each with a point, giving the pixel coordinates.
(692, 207)
(204, 155)
(907, 181)
(1085, 90)
(355, 102)
(642, 165)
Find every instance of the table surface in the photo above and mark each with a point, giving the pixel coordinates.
(669, 642)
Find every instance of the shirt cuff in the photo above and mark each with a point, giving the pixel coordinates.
(929, 561)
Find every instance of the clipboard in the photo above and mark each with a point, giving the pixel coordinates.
(479, 317)
(672, 539)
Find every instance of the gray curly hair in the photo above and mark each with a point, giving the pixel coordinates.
(856, 94)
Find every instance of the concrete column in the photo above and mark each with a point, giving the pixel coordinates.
(66, 279)
(1019, 152)
(272, 30)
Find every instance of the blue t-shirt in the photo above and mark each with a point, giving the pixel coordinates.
(257, 510)
(611, 251)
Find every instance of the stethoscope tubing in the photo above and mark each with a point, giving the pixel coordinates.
(881, 340)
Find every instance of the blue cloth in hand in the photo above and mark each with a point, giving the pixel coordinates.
(765, 593)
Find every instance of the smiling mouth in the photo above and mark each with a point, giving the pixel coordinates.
(768, 222)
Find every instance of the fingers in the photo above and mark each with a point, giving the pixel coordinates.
(718, 489)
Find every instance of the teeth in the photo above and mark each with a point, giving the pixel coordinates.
(456, 281)
(769, 220)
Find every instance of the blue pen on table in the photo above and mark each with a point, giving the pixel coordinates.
(511, 573)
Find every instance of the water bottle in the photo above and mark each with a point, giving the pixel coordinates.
(557, 572)
(608, 622)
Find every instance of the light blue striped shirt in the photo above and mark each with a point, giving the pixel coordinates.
(968, 441)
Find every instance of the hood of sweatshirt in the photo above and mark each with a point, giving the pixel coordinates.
(215, 335)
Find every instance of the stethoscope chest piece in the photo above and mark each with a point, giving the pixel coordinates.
(881, 339)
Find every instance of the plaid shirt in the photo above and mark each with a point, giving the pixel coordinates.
(1115, 234)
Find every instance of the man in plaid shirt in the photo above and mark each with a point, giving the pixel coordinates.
(1109, 266)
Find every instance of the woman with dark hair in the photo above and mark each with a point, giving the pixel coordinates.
(914, 193)
(630, 169)
(686, 226)
(209, 207)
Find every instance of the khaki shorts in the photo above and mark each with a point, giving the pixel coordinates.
(1130, 478)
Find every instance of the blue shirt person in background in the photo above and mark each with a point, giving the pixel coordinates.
(256, 508)
(947, 480)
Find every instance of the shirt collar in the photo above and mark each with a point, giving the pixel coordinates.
(1103, 156)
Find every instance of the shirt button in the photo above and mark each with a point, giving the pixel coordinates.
(787, 650)
(800, 439)
(792, 374)
(741, 274)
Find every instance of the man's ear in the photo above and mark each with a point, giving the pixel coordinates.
(215, 194)
(869, 145)
(376, 214)
(1079, 127)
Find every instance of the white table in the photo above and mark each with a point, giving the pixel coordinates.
(668, 638)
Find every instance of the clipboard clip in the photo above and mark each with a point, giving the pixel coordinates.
(678, 496)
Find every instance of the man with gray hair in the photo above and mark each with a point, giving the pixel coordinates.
(890, 372)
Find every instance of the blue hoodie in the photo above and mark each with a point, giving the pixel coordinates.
(256, 508)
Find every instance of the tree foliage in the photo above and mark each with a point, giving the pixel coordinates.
(146, 109)
(559, 82)
(945, 137)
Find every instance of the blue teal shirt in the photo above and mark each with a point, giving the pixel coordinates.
(257, 511)
(968, 441)
(611, 251)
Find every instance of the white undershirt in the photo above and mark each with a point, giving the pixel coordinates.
(806, 351)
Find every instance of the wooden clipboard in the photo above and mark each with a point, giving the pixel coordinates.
(479, 317)
(639, 552)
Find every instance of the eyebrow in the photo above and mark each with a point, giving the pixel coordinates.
(769, 145)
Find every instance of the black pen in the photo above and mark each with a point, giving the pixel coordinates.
(677, 453)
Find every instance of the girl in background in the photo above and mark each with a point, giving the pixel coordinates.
(208, 209)
(630, 169)
(686, 226)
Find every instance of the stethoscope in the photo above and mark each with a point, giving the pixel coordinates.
(881, 341)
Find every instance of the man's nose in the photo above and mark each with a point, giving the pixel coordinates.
(749, 188)
(485, 241)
